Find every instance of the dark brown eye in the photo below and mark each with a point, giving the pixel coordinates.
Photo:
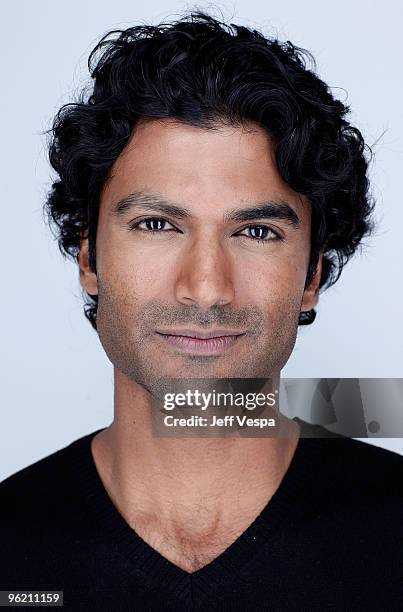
(261, 233)
(152, 225)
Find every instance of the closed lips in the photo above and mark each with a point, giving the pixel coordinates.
(218, 333)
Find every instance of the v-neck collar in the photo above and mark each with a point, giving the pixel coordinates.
(293, 493)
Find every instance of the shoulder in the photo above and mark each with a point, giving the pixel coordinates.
(42, 514)
(39, 489)
(364, 460)
(337, 452)
(354, 478)
(350, 495)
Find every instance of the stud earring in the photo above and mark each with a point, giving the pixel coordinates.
(307, 317)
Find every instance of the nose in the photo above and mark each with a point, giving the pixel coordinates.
(205, 276)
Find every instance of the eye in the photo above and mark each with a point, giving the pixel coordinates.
(261, 233)
(154, 225)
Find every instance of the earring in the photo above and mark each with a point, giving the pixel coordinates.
(307, 317)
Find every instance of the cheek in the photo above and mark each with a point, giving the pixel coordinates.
(127, 269)
(147, 270)
(280, 278)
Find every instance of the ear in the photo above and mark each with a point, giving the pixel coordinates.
(311, 292)
(88, 278)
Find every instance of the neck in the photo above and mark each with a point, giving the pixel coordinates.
(196, 486)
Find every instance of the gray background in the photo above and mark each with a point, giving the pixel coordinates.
(56, 380)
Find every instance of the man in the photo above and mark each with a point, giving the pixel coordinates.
(208, 188)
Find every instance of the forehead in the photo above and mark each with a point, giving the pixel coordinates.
(205, 168)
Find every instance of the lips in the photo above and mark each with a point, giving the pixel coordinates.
(190, 333)
(191, 341)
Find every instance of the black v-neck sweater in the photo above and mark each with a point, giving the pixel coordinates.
(331, 538)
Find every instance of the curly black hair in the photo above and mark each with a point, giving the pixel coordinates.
(202, 71)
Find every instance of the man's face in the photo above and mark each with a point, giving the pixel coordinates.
(205, 270)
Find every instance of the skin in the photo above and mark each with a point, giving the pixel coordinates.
(191, 498)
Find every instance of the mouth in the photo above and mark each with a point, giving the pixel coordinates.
(203, 343)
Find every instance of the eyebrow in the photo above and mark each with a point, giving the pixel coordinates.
(270, 209)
